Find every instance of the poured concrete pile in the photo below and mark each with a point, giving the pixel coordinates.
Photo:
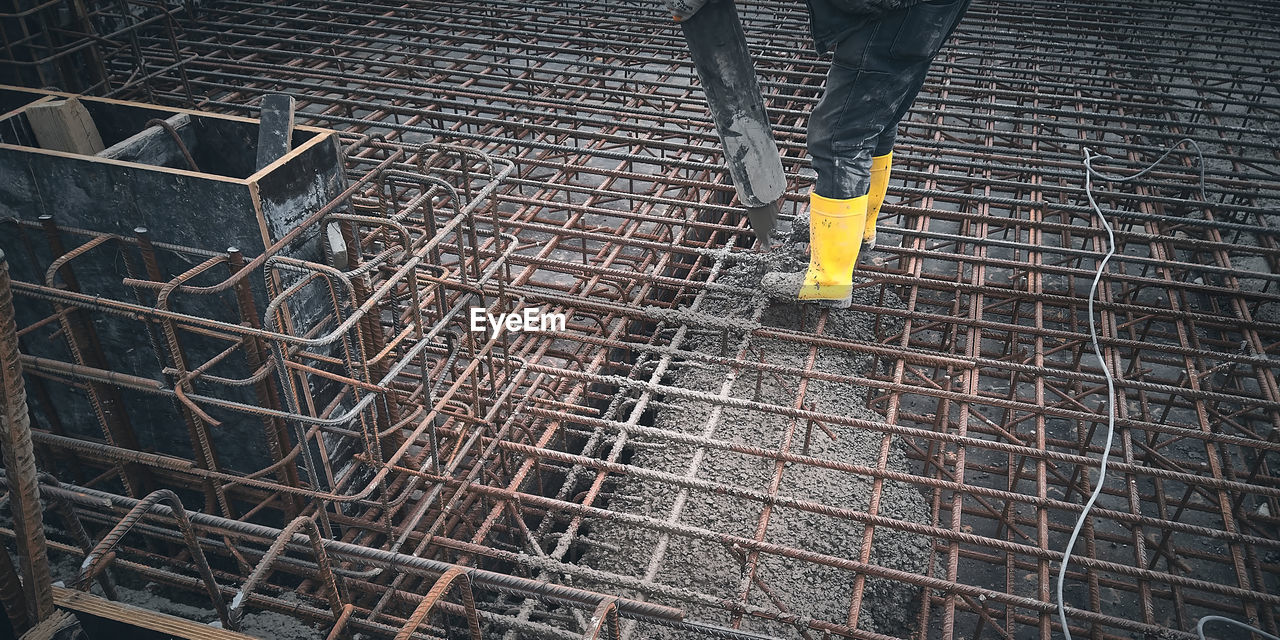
(803, 587)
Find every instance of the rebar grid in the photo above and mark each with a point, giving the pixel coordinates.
(612, 212)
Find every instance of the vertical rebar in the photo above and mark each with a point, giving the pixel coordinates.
(82, 340)
(274, 429)
(20, 462)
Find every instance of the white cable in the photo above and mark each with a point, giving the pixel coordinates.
(1200, 626)
(1090, 172)
(1111, 389)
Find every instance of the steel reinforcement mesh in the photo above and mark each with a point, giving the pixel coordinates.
(687, 454)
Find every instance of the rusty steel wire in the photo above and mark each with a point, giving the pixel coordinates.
(506, 155)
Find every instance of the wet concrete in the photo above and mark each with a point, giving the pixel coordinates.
(800, 587)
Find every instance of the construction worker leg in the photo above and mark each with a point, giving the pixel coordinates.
(918, 38)
(863, 95)
(834, 229)
(880, 166)
(843, 128)
(874, 75)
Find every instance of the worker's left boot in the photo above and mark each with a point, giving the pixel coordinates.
(875, 198)
(835, 238)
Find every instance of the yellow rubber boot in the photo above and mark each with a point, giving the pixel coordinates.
(879, 186)
(835, 235)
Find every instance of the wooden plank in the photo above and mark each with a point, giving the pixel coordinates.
(275, 128)
(138, 617)
(64, 126)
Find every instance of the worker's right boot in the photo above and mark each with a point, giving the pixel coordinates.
(880, 166)
(835, 238)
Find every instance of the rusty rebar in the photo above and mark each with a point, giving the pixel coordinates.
(20, 465)
(507, 453)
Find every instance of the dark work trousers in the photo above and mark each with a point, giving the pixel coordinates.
(873, 80)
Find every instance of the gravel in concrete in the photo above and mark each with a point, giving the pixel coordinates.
(712, 568)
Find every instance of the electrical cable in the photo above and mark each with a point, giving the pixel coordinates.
(1207, 619)
(1089, 158)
